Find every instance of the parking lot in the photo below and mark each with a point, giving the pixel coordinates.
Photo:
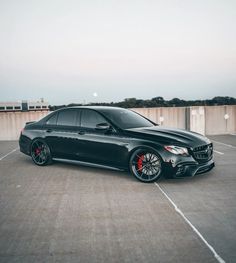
(71, 213)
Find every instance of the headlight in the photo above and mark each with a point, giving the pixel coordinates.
(177, 150)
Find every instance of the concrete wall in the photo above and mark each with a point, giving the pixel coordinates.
(197, 119)
(11, 123)
(171, 117)
(208, 120)
(205, 120)
(220, 119)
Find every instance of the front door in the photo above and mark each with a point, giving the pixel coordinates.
(107, 147)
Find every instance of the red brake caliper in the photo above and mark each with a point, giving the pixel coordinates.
(140, 162)
(37, 151)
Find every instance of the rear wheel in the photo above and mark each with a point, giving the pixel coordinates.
(40, 152)
(146, 165)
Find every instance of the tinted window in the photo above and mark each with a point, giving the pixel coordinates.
(126, 119)
(90, 119)
(67, 117)
(52, 120)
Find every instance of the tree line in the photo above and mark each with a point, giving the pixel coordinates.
(156, 102)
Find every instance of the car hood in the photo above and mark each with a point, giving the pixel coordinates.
(170, 136)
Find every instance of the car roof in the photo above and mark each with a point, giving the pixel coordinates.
(93, 108)
(96, 108)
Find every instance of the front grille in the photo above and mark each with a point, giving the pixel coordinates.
(203, 153)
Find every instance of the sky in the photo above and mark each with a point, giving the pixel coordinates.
(69, 51)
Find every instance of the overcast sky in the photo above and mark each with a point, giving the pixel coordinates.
(71, 51)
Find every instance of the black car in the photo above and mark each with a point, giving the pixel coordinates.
(116, 138)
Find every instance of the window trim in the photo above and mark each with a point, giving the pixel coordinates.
(49, 117)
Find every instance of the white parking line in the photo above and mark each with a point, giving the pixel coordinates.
(228, 145)
(217, 256)
(218, 152)
(4, 156)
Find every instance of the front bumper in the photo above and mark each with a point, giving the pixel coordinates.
(189, 169)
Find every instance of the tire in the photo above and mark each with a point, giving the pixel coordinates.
(40, 152)
(146, 165)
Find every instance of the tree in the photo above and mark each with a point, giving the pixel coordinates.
(177, 102)
(159, 102)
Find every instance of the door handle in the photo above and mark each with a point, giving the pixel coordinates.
(81, 132)
(49, 130)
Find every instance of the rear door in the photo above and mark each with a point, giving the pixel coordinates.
(61, 133)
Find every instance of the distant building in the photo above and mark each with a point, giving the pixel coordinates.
(24, 106)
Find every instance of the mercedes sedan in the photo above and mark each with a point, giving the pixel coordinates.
(119, 139)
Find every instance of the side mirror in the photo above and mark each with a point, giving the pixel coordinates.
(103, 126)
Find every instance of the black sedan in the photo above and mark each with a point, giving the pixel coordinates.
(116, 138)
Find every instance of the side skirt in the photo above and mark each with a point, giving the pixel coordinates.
(87, 164)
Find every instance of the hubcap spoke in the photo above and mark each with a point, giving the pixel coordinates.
(139, 157)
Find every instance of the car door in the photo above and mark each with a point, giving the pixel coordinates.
(61, 133)
(107, 147)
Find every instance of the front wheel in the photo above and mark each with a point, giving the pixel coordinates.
(146, 165)
(40, 152)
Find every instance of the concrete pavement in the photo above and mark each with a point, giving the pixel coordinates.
(69, 213)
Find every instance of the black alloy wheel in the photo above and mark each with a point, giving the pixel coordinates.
(146, 165)
(40, 152)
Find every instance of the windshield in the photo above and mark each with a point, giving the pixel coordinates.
(126, 119)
